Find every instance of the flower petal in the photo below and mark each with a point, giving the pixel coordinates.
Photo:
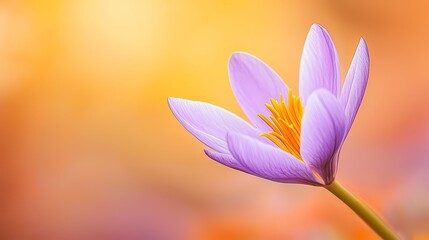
(209, 123)
(322, 133)
(225, 159)
(254, 83)
(355, 83)
(268, 162)
(320, 67)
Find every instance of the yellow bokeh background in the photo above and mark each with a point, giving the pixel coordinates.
(90, 150)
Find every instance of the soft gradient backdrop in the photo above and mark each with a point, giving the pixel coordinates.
(90, 150)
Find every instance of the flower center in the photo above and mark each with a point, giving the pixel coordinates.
(285, 123)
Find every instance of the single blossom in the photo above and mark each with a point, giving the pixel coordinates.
(292, 139)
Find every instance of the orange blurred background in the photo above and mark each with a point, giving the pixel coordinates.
(90, 150)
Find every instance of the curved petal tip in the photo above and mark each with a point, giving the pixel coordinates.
(208, 123)
(254, 83)
(320, 67)
(355, 82)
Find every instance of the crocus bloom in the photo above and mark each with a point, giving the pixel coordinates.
(292, 139)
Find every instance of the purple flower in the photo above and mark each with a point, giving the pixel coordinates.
(292, 139)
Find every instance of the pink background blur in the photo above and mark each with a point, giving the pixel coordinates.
(90, 150)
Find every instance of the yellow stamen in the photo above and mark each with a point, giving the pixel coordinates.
(274, 140)
(272, 110)
(285, 123)
(272, 126)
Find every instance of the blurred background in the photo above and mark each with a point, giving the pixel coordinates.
(90, 150)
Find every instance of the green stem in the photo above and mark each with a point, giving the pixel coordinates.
(361, 209)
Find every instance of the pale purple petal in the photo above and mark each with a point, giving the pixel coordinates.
(225, 159)
(320, 67)
(209, 123)
(355, 83)
(268, 162)
(322, 133)
(254, 83)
